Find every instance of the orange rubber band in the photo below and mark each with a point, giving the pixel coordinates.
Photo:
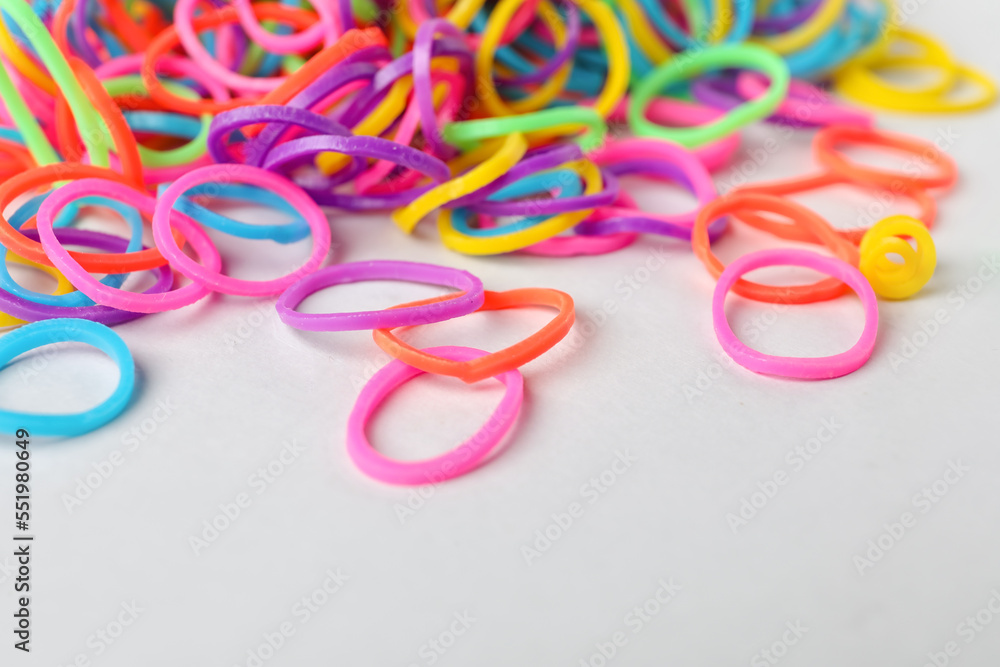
(10, 190)
(826, 140)
(121, 134)
(823, 290)
(927, 204)
(494, 363)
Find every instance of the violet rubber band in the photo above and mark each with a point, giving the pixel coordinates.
(463, 459)
(33, 312)
(719, 91)
(423, 87)
(551, 206)
(256, 150)
(376, 148)
(468, 301)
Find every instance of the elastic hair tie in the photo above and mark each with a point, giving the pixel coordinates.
(895, 281)
(37, 334)
(825, 148)
(459, 461)
(808, 368)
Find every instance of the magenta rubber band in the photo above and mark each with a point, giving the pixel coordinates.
(809, 368)
(210, 276)
(463, 459)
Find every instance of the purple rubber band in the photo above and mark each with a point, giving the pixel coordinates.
(554, 206)
(31, 311)
(469, 300)
(258, 150)
(719, 91)
(423, 87)
(680, 228)
(375, 148)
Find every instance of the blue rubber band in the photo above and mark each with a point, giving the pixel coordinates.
(289, 232)
(35, 335)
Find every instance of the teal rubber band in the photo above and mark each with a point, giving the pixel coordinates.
(60, 330)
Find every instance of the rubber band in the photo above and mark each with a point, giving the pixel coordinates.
(679, 69)
(506, 155)
(32, 311)
(890, 280)
(37, 334)
(823, 290)
(455, 463)
(881, 198)
(808, 368)
(494, 363)
(91, 262)
(210, 276)
(517, 236)
(807, 32)
(148, 302)
(467, 301)
(62, 286)
(924, 152)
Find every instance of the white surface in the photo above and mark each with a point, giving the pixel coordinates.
(619, 389)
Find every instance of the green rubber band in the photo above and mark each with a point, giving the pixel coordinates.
(34, 139)
(87, 119)
(150, 157)
(687, 66)
(467, 133)
(365, 10)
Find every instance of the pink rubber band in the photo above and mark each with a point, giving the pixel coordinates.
(211, 276)
(797, 106)
(327, 30)
(459, 461)
(196, 51)
(99, 292)
(808, 368)
(701, 184)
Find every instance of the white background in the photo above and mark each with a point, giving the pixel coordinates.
(238, 392)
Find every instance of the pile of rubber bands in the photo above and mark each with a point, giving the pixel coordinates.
(488, 118)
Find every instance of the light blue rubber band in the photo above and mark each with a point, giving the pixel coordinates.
(59, 330)
(64, 219)
(289, 232)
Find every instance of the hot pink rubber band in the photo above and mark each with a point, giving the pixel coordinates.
(210, 276)
(459, 461)
(809, 368)
(805, 102)
(99, 292)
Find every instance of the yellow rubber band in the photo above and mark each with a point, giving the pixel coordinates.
(648, 41)
(508, 154)
(497, 23)
(895, 281)
(495, 245)
(63, 286)
(23, 64)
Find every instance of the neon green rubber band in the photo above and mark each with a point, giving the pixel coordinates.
(150, 157)
(86, 117)
(561, 121)
(690, 65)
